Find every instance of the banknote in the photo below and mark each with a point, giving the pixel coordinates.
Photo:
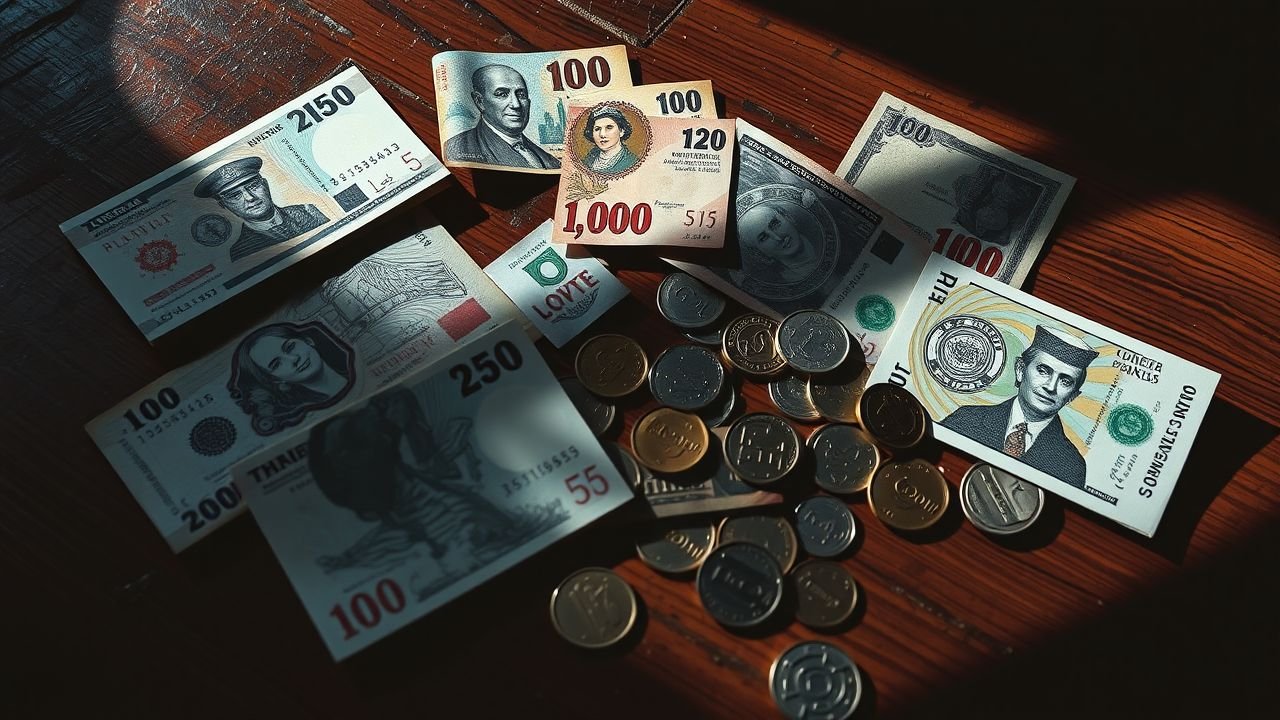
(805, 240)
(289, 184)
(1083, 411)
(391, 508)
(719, 492)
(980, 204)
(174, 442)
(486, 102)
(635, 178)
(692, 98)
(560, 295)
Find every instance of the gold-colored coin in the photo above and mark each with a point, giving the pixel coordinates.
(835, 395)
(892, 415)
(749, 345)
(611, 365)
(669, 441)
(909, 495)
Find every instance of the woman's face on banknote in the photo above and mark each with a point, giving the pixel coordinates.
(607, 134)
(287, 359)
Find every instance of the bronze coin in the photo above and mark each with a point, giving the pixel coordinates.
(909, 495)
(669, 441)
(611, 365)
(826, 593)
(892, 415)
(749, 345)
(835, 395)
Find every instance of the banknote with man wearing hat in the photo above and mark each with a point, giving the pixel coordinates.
(239, 187)
(1049, 375)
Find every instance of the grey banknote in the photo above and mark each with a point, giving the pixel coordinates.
(174, 442)
(980, 204)
(284, 187)
(398, 504)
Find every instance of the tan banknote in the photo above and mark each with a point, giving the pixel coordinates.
(507, 111)
(692, 98)
(1083, 411)
(289, 184)
(174, 442)
(980, 204)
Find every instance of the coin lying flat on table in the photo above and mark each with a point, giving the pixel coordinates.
(686, 377)
(909, 495)
(892, 415)
(835, 395)
(598, 414)
(687, 303)
(826, 593)
(722, 408)
(825, 526)
(669, 441)
(611, 365)
(593, 608)
(844, 458)
(715, 491)
(740, 584)
(811, 341)
(675, 550)
(790, 395)
(814, 679)
(749, 345)
(761, 447)
(773, 534)
(624, 461)
(999, 502)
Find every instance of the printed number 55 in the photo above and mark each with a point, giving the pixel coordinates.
(585, 484)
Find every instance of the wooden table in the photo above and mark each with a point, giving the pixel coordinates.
(1165, 116)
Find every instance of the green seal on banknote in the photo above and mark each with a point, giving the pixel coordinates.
(875, 313)
(1129, 424)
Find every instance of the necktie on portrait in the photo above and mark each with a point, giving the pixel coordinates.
(525, 153)
(1016, 443)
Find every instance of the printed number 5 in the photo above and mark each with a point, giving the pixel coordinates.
(591, 483)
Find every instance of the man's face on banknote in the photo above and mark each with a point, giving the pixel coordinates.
(504, 99)
(251, 200)
(1046, 384)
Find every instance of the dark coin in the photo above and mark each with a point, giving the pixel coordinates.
(593, 608)
(892, 415)
(826, 593)
(791, 396)
(710, 335)
(624, 461)
(825, 526)
(844, 458)
(814, 680)
(761, 447)
(598, 414)
(687, 303)
(773, 534)
(686, 377)
(722, 408)
(674, 550)
(835, 395)
(740, 584)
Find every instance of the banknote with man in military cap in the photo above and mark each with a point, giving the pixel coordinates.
(239, 186)
(1048, 375)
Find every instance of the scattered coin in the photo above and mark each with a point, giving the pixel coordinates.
(774, 534)
(593, 608)
(811, 341)
(844, 458)
(892, 415)
(825, 526)
(598, 414)
(676, 550)
(999, 502)
(668, 440)
(826, 593)
(624, 461)
(749, 346)
(686, 377)
(835, 395)
(761, 447)
(815, 679)
(791, 397)
(740, 584)
(687, 303)
(611, 365)
(715, 490)
(710, 335)
(909, 495)
(723, 407)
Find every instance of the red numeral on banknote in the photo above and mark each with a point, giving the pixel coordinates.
(367, 609)
(576, 75)
(585, 484)
(968, 251)
(617, 219)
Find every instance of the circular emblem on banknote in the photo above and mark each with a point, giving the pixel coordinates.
(156, 256)
(1129, 424)
(213, 436)
(610, 139)
(964, 353)
(788, 244)
(211, 230)
(875, 312)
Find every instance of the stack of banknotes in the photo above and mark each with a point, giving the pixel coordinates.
(397, 434)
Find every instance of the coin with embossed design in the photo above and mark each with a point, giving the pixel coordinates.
(825, 526)
(676, 548)
(812, 341)
(687, 303)
(749, 346)
(598, 414)
(761, 447)
(844, 458)
(593, 608)
(999, 502)
(815, 679)
(723, 407)
(686, 377)
(892, 415)
(835, 395)
(774, 534)
(611, 365)
(668, 440)
(740, 584)
(791, 397)
(909, 495)
(825, 592)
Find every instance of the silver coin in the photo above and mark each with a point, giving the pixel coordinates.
(773, 534)
(740, 585)
(676, 550)
(815, 679)
(624, 461)
(686, 377)
(812, 341)
(598, 413)
(710, 335)
(826, 593)
(687, 303)
(999, 502)
(761, 447)
(722, 408)
(791, 395)
(825, 526)
(593, 608)
(844, 458)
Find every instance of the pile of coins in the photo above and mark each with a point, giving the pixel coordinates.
(697, 456)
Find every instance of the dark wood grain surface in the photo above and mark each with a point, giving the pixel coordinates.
(1165, 114)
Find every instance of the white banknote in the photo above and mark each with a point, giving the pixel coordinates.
(286, 186)
(174, 442)
(1083, 411)
(980, 204)
(395, 506)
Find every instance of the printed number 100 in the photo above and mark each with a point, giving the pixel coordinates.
(367, 609)
(617, 219)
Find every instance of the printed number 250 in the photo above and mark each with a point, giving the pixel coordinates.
(508, 357)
